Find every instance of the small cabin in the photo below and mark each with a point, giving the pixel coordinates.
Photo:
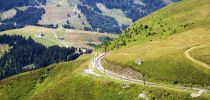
(86, 51)
(61, 38)
(42, 35)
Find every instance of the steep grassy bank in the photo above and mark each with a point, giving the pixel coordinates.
(160, 41)
(30, 84)
(182, 16)
(66, 81)
(163, 60)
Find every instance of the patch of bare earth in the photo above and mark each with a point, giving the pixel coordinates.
(125, 71)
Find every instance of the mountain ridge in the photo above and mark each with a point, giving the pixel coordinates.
(71, 14)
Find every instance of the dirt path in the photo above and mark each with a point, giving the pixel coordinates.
(64, 20)
(62, 42)
(191, 58)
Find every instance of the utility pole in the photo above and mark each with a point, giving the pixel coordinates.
(104, 67)
(105, 48)
(144, 79)
(93, 57)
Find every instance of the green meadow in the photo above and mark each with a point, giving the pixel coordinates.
(160, 41)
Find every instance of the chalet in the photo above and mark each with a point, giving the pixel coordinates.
(85, 50)
(42, 35)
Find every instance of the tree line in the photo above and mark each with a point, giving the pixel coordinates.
(30, 16)
(99, 22)
(130, 8)
(25, 51)
(9, 4)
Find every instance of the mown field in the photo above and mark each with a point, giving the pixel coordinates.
(160, 41)
(67, 81)
(49, 39)
(80, 38)
(74, 38)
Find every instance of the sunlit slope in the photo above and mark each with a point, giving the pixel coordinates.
(67, 81)
(160, 41)
(30, 84)
(175, 18)
(49, 39)
(75, 38)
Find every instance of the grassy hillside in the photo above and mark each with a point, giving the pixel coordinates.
(175, 18)
(34, 32)
(80, 38)
(30, 84)
(76, 38)
(67, 81)
(160, 41)
(59, 12)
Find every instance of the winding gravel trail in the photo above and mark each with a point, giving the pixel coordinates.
(191, 58)
(96, 64)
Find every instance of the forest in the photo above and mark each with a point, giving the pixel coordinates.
(9, 4)
(100, 22)
(130, 9)
(26, 54)
(31, 17)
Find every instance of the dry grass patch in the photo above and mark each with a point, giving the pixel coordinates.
(163, 60)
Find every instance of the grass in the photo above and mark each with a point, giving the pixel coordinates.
(163, 59)
(81, 38)
(34, 32)
(202, 54)
(161, 55)
(117, 14)
(3, 49)
(160, 40)
(59, 15)
(76, 38)
(30, 84)
(66, 81)
(175, 18)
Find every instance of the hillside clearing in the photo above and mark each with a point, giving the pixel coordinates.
(3, 49)
(61, 37)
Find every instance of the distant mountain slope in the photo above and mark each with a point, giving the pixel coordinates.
(110, 16)
(10, 4)
(18, 13)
